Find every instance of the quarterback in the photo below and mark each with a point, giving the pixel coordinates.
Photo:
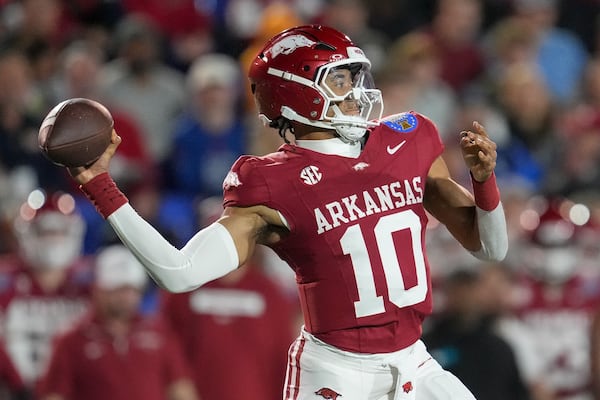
(345, 204)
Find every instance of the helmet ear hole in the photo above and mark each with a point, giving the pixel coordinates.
(306, 68)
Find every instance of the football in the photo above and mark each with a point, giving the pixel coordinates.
(76, 132)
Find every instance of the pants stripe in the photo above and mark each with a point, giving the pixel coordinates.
(292, 383)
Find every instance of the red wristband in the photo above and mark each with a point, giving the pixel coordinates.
(487, 195)
(104, 194)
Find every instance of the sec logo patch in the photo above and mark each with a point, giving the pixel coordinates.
(403, 122)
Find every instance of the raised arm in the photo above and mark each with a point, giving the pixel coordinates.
(476, 220)
(211, 253)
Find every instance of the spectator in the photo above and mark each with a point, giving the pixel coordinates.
(507, 43)
(116, 353)
(212, 133)
(578, 168)
(21, 112)
(464, 341)
(243, 317)
(141, 84)
(561, 73)
(185, 25)
(39, 30)
(455, 29)
(530, 111)
(46, 284)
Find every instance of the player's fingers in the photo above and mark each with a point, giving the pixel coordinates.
(480, 129)
(486, 162)
(115, 141)
(467, 139)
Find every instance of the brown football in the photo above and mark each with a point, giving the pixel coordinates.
(76, 132)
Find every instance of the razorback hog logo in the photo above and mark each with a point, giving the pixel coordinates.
(289, 44)
(407, 387)
(327, 393)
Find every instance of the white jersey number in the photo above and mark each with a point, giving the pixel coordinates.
(353, 244)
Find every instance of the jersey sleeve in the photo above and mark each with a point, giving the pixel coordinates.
(244, 185)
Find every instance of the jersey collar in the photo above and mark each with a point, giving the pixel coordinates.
(333, 146)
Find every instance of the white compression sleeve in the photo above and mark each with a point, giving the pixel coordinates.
(209, 255)
(492, 234)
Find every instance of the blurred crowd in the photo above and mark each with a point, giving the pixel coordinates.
(79, 320)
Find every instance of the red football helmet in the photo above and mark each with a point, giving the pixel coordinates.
(293, 77)
(49, 230)
(553, 254)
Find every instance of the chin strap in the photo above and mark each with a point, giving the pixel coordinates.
(349, 128)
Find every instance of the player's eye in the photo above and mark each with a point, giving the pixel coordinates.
(339, 81)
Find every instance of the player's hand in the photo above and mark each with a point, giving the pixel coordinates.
(83, 175)
(479, 152)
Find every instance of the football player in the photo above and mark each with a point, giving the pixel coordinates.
(556, 301)
(346, 207)
(45, 285)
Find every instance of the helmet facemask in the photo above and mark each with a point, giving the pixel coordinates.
(351, 100)
(341, 85)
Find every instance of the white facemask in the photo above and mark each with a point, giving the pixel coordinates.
(52, 252)
(555, 265)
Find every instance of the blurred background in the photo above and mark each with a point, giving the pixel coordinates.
(173, 74)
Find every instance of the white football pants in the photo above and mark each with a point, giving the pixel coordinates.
(319, 371)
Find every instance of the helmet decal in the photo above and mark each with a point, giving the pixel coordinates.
(288, 45)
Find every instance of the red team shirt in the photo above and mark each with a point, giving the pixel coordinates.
(88, 363)
(235, 332)
(357, 229)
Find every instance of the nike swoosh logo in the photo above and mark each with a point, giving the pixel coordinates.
(392, 150)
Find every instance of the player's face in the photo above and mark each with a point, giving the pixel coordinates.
(340, 82)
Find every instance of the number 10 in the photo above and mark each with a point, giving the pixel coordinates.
(353, 244)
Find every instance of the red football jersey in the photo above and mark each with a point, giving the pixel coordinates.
(9, 377)
(357, 228)
(557, 320)
(30, 318)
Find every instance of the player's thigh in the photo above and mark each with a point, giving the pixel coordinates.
(316, 373)
(435, 383)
